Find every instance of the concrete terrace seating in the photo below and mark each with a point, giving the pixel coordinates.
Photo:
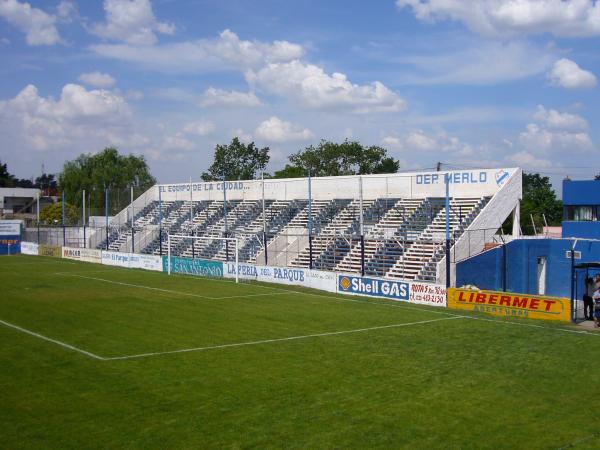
(404, 237)
(420, 257)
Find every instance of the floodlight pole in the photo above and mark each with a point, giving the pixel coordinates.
(38, 218)
(63, 218)
(83, 217)
(447, 204)
(225, 218)
(237, 267)
(264, 218)
(106, 213)
(573, 308)
(132, 230)
(191, 205)
(160, 220)
(169, 254)
(310, 224)
(362, 227)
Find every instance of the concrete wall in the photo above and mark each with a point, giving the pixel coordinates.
(466, 183)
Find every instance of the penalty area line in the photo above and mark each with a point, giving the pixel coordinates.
(54, 341)
(270, 341)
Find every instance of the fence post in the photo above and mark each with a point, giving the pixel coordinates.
(447, 204)
(63, 219)
(83, 217)
(160, 220)
(106, 213)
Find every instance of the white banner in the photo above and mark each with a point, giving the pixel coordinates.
(82, 254)
(147, 262)
(316, 279)
(10, 227)
(132, 260)
(29, 248)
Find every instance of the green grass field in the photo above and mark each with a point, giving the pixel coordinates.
(95, 357)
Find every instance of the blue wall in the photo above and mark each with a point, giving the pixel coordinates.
(585, 192)
(485, 270)
(581, 229)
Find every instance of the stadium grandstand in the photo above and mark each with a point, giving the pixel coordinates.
(392, 225)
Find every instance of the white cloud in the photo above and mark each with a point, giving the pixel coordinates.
(277, 130)
(393, 142)
(219, 97)
(418, 140)
(313, 88)
(199, 128)
(97, 79)
(568, 74)
(512, 17)
(78, 115)
(39, 27)
(480, 62)
(561, 121)
(65, 10)
(539, 139)
(227, 51)
(526, 160)
(177, 142)
(134, 94)
(131, 21)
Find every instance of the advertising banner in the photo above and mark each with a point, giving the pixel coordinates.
(510, 304)
(10, 228)
(82, 254)
(50, 250)
(29, 248)
(400, 290)
(9, 245)
(115, 259)
(194, 266)
(132, 260)
(10, 236)
(316, 279)
(147, 262)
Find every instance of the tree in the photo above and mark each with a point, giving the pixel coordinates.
(52, 214)
(332, 159)
(105, 169)
(539, 200)
(237, 161)
(6, 178)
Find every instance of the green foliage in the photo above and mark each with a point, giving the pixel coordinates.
(332, 159)
(539, 200)
(290, 171)
(6, 178)
(9, 180)
(237, 161)
(94, 172)
(52, 214)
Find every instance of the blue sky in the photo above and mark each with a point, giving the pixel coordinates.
(471, 84)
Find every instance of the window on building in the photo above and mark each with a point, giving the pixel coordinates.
(582, 212)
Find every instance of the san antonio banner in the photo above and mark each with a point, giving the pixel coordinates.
(510, 304)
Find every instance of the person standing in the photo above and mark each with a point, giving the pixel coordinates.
(588, 302)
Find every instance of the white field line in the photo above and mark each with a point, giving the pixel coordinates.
(270, 341)
(166, 291)
(54, 341)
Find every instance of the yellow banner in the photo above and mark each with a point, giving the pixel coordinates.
(49, 250)
(509, 304)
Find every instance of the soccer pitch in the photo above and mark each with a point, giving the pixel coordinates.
(98, 356)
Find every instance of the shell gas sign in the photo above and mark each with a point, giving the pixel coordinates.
(509, 304)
